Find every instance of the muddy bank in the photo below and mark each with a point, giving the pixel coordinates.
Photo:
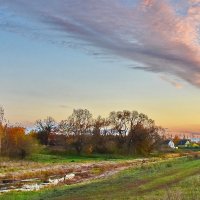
(69, 173)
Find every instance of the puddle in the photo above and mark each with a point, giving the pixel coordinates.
(66, 174)
(7, 185)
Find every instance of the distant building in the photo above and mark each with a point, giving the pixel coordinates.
(169, 143)
(183, 143)
(195, 140)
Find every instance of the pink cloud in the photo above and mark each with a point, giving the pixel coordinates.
(175, 83)
(151, 33)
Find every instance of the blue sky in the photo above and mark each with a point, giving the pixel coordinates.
(52, 62)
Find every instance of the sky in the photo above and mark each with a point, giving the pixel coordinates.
(101, 55)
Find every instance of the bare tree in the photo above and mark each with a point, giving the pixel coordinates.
(99, 134)
(119, 121)
(78, 125)
(143, 135)
(45, 128)
(2, 127)
(100, 126)
(1, 114)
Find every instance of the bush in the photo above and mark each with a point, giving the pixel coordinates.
(15, 143)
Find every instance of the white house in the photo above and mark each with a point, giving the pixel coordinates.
(169, 143)
(184, 143)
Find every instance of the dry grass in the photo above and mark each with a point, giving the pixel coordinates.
(83, 171)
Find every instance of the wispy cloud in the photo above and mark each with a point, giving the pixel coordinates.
(161, 36)
(175, 83)
(64, 106)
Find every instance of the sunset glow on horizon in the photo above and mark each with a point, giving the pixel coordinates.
(102, 55)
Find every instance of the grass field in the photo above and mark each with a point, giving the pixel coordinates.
(64, 158)
(47, 158)
(175, 180)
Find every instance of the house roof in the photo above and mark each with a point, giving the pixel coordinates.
(183, 142)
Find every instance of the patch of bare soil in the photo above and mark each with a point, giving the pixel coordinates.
(39, 175)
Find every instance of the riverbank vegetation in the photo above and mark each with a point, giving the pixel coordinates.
(168, 179)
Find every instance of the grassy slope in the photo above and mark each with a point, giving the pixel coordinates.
(64, 158)
(48, 158)
(150, 182)
(48, 155)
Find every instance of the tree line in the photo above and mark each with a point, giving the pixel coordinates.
(122, 132)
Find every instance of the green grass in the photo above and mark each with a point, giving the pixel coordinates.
(63, 157)
(177, 179)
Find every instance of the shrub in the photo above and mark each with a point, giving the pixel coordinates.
(15, 143)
